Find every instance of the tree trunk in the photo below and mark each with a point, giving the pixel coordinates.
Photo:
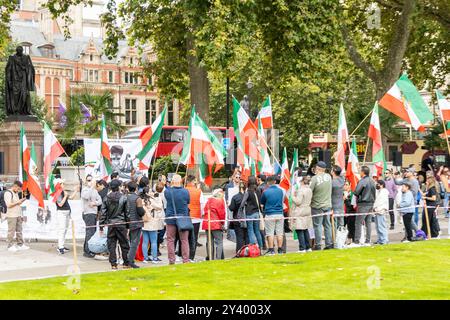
(198, 82)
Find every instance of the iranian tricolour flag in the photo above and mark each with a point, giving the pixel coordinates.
(342, 139)
(444, 106)
(243, 163)
(52, 150)
(150, 137)
(266, 114)
(33, 181)
(202, 148)
(264, 164)
(24, 159)
(377, 146)
(246, 132)
(405, 101)
(105, 153)
(285, 181)
(352, 167)
(55, 188)
(294, 165)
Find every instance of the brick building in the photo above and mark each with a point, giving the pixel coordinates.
(64, 67)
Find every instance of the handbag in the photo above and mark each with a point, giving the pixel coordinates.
(184, 223)
(262, 224)
(241, 212)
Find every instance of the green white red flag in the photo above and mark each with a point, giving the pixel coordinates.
(202, 148)
(294, 165)
(405, 101)
(342, 139)
(264, 164)
(24, 159)
(444, 107)
(52, 150)
(285, 181)
(105, 153)
(55, 188)
(352, 167)
(149, 138)
(377, 145)
(33, 181)
(265, 114)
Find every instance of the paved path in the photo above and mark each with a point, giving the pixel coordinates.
(42, 260)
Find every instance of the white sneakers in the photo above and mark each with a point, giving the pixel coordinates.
(15, 248)
(301, 251)
(100, 257)
(178, 259)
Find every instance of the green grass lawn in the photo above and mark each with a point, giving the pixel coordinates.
(418, 270)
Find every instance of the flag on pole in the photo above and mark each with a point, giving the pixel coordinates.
(105, 153)
(377, 145)
(33, 181)
(265, 114)
(285, 181)
(342, 139)
(24, 159)
(86, 113)
(55, 189)
(352, 167)
(245, 131)
(202, 148)
(149, 138)
(243, 163)
(264, 165)
(52, 150)
(62, 114)
(294, 165)
(405, 101)
(444, 106)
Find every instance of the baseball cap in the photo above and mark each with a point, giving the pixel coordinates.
(322, 164)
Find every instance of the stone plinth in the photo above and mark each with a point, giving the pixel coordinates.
(10, 143)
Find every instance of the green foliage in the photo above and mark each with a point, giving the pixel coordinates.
(433, 140)
(40, 110)
(77, 158)
(98, 104)
(163, 166)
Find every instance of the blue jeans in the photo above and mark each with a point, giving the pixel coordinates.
(416, 216)
(152, 238)
(303, 239)
(320, 221)
(380, 223)
(254, 235)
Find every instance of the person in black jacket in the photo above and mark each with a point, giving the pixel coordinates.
(365, 192)
(114, 214)
(238, 226)
(135, 209)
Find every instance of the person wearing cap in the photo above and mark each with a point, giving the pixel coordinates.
(365, 192)
(63, 215)
(90, 199)
(321, 187)
(115, 215)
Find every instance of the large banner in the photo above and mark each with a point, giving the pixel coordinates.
(123, 156)
(42, 225)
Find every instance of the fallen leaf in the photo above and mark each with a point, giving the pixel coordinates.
(162, 292)
(402, 291)
(389, 260)
(176, 284)
(284, 265)
(75, 291)
(134, 289)
(340, 269)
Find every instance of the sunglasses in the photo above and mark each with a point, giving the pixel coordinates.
(89, 180)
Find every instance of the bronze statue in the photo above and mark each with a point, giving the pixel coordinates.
(19, 83)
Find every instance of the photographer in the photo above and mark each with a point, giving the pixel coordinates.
(91, 200)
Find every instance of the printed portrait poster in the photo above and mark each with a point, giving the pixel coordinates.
(123, 156)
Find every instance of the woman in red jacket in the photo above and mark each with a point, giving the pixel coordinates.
(215, 208)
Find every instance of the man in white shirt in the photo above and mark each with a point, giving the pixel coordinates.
(381, 208)
(14, 217)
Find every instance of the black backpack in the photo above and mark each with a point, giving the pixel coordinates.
(3, 207)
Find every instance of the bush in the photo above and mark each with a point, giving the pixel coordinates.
(77, 158)
(164, 165)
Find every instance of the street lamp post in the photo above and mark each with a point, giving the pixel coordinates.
(249, 87)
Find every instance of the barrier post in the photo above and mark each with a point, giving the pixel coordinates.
(209, 235)
(74, 245)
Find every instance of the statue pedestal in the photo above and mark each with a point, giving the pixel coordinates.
(10, 144)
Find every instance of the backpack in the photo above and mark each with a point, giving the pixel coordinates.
(3, 207)
(249, 250)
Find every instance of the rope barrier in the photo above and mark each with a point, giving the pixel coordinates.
(329, 213)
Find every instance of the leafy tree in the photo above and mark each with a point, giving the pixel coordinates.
(98, 105)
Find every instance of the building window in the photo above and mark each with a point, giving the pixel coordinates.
(91, 58)
(149, 80)
(91, 75)
(26, 48)
(131, 60)
(47, 51)
(111, 103)
(170, 113)
(130, 112)
(150, 111)
(130, 78)
(110, 76)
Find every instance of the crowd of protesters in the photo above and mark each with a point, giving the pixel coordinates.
(135, 217)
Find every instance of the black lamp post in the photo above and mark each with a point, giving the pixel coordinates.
(249, 87)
